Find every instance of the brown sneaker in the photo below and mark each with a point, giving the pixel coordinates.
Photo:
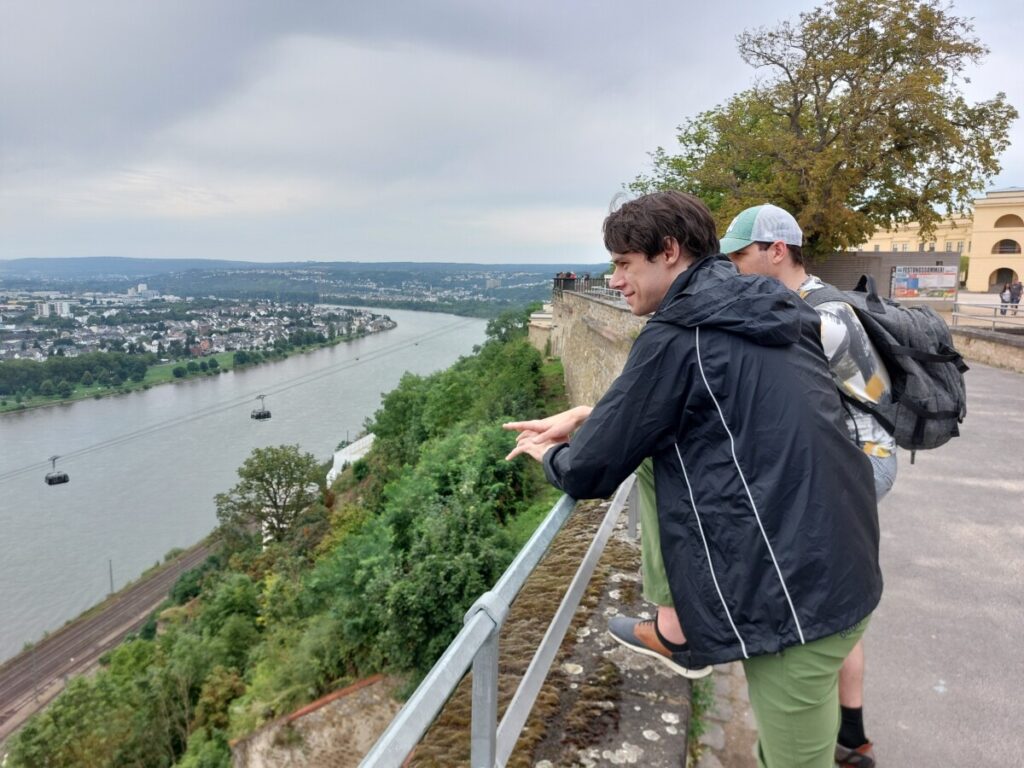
(861, 757)
(641, 636)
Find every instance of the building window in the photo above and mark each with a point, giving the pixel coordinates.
(1006, 246)
(1010, 220)
(905, 246)
(949, 246)
(878, 247)
(931, 247)
(959, 246)
(920, 245)
(894, 246)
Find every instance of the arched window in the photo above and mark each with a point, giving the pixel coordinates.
(1006, 246)
(999, 278)
(1010, 220)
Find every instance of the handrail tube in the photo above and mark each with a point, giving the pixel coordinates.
(529, 687)
(512, 580)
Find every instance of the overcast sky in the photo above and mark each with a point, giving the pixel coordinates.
(450, 130)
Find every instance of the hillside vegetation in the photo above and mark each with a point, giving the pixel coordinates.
(371, 575)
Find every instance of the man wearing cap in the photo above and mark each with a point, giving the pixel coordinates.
(768, 526)
(766, 240)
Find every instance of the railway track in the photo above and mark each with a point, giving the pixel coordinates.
(35, 676)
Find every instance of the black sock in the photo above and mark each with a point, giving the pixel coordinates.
(851, 731)
(674, 647)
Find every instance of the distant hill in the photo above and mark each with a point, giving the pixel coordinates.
(110, 267)
(130, 268)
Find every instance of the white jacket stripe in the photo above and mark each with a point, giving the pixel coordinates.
(707, 553)
(753, 506)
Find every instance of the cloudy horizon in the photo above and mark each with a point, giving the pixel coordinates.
(458, 132)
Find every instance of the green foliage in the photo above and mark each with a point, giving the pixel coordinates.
(21, 375)
(206, 749)
(190, 582)
(381, 581)
(858, 121)
(511, 324)
(457, 553)
(277, 484)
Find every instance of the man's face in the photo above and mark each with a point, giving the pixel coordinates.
(755, 259)
(643, 282)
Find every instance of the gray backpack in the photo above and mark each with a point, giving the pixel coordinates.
(927, 373)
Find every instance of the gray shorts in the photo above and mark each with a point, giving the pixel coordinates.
(884, 470)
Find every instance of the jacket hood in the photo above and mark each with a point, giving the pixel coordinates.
(711, 293)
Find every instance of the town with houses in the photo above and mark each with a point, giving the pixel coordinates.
(35, 325)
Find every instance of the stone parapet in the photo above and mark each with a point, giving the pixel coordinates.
(1000, 349)
(592, 335)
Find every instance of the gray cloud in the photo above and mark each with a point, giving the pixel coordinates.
(451, 130)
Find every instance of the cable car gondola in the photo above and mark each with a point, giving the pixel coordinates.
(55, 477)
(261, 413)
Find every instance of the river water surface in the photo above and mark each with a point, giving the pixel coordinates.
(144, 467)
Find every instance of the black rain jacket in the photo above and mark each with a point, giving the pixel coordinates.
(769, 527)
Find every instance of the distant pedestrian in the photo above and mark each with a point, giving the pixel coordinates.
(1004, 297)
(1015, 291)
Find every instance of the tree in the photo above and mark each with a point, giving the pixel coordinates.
(510, 324)
(860, 123)
(277, 484)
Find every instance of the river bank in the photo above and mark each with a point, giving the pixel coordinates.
(144, 467)
(164, 373)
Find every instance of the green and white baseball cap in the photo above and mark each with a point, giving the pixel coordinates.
(761, 224)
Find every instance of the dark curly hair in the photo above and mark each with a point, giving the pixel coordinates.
(642, 225)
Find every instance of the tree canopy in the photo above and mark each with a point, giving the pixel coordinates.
(277, 484)
(859, 123)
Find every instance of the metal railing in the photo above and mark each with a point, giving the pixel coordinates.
(609, 294)
(994, 315)
(491, 743)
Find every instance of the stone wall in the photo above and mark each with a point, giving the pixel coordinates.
(592, 336)
(999, 349)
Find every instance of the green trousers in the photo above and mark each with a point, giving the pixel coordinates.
(795, 699)
(652, 566)
(794, 694)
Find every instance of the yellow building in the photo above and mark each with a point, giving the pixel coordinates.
(992, 240)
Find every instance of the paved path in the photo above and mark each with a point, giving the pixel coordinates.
(945, 663)
(945, 668)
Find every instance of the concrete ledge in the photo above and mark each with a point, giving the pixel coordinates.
(996, 348)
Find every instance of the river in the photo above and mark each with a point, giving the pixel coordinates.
(145, 467)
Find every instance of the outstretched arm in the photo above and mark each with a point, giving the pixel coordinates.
(536, 436)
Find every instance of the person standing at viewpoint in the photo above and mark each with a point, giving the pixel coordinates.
(766, 240)
(768, 525)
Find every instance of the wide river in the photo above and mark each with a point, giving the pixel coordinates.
(145, 467)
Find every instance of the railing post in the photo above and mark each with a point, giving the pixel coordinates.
(484, 727)
(633, 511)
(483, 735)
